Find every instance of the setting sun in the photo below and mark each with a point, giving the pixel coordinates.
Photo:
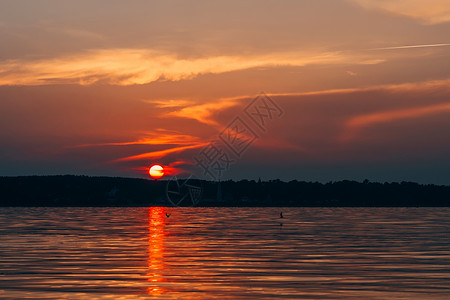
(156, 171)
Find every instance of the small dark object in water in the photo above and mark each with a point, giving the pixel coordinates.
(281, 215)
(167, 215)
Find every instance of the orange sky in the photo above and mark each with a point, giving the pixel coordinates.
(109, 87)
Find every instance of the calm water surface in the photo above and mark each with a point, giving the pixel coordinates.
(225, 253)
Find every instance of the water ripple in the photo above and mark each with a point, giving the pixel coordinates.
(225, 253)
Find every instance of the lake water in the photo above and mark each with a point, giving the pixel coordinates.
(225, 253)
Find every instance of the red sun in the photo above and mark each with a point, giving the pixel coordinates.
(156, 171)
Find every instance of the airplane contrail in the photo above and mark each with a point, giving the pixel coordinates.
(411, 46)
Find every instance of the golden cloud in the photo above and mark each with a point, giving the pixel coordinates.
(141, 66)
(159, 137)
(161, 153)
(171, 103)
(204, 112)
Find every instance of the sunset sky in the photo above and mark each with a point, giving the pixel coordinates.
(111, 87)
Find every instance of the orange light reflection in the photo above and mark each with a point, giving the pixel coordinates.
(156, 233)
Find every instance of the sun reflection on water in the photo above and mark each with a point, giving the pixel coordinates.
(156, 222)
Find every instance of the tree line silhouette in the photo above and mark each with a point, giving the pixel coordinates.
(69, 190)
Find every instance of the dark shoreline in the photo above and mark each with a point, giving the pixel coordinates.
(84, 191)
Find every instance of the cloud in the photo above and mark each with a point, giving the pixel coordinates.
(204, 112)
(174, 142)
(196, 110)
(161, 137)
(172, 103)
(427, 12)
(412, 46)
(161, 153)
(141, 66)
(392, 103)
(357, 123)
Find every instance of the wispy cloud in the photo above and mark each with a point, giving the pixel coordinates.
(204, 112)
(421, 86)
(160, 137)
(411, 46)
(427, 12)
(171, 103)
(354, 125)
(196, 110)
(174, 142)
(141, 66)
(161, 153)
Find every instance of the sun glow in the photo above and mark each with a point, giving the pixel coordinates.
(156, 171)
